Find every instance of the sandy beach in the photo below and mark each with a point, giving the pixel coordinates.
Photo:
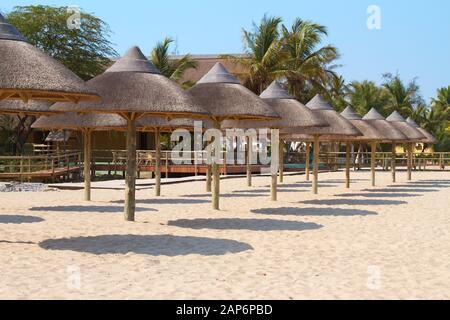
(388, 242)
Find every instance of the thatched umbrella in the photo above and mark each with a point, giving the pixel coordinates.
(429, 138)
(133, 87)
(86, 123)
(294, 117)
(27, 74)
(339, 129)
(224, 97)
(410, 132)
(393, 135)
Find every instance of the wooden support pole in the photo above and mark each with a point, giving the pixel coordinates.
(274, 166)
(130, 177)
(316, 165)
(208, 178)
(281, 146)
(373, 161)
(249, 161)
(409, 161)
(216, 175)
(307, 163)
(347, 165)
(87, 164)
(157, 163)
(393, 161)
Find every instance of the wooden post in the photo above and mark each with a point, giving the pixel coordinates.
(87, 164)
(130, 177)
(373, 161)
(216, 175)
(307, 164)
(21, 169)
(167, 165)
(195, 164)
(409, 161)
(281, 146)
(347, 165)
(316, 165)
(393, 161)
(249, 161)
(274, 168)
(157, 163)
(208, 178)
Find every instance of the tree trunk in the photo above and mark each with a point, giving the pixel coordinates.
(87, 164)
(347, 165)
(130, 177)
(393, 161)
(158, 163)
(373, 161)
(316, 165)
(307, 164)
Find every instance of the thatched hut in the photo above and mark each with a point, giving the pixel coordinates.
(429, 138)
(133, 88)
(220, 93)
(27, 73)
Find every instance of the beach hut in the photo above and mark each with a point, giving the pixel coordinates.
(410, 132)
(339, 129)
(294, 117)
(132, 88)
(393, 135)
(429, 138)
(27, 73)
(86, 123)
(220, 93)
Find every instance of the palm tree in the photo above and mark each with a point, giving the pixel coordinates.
(337, 91)
(363, 96)
(402, 98)
(264, 49)
(172, 69)
(307, 66)
(442, 102)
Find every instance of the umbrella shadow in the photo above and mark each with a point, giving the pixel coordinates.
(94, 209)
(153, 245)
(401, 190)
(225, 195)
(379, 195)
(333, 212)
(165, 201)
(17, 219)
(266, 191)
(354, 202)
(244, 224)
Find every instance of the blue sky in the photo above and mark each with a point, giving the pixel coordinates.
(414, 38)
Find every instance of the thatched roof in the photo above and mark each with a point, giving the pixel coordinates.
(391, 133)
(70, 120)
(150, 124)
(339, 127)
(224, 97)
(134, 85)
(295, 117)
(409, 131)
(27, 73)
(370, 133)
(430, 139)
(31, 108)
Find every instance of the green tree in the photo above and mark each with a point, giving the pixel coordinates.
(85, 50)
(365, 95)
(172, 69)
(307, 66)
(403, 98)
(336, 92)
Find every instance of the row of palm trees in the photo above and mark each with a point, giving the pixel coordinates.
(296, 56)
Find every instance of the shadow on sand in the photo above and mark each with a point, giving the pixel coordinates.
(354, 202)
(333, 212)
(225, 195)
(16, 219)
(267, 191)
(154, 245)
(374, 194)
(244, 224)
(93, 209)
(166, 201)
(412, 189)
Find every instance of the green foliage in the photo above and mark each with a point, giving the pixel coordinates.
(86, 51)
(172, 69)
(365, 95)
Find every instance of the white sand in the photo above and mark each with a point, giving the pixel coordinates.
(394, 243)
